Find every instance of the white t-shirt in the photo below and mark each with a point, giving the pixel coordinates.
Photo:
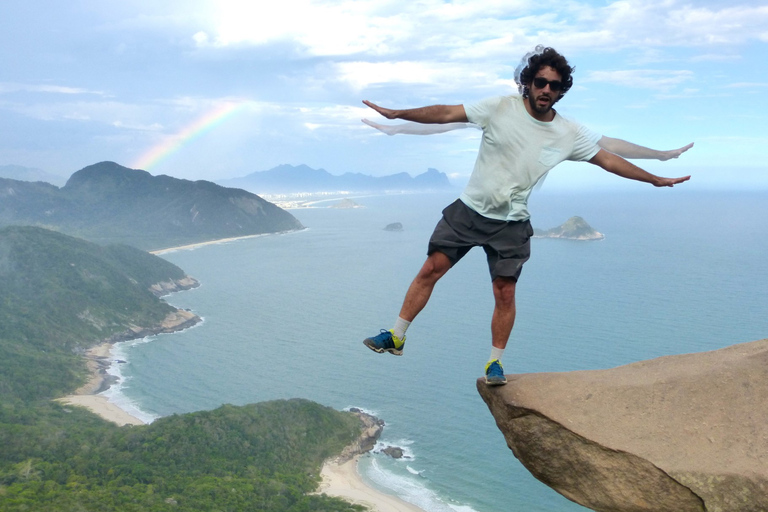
(516, 151)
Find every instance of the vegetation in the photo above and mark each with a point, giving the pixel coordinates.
(57, 458)
(108, 203)
(258, 457)
(60, 295)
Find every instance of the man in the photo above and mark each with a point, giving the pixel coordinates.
(523, 138)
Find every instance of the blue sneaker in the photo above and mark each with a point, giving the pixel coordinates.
(386, 341)
(494, 373)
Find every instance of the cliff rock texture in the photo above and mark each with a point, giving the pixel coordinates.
(370, 431)
(673, 434)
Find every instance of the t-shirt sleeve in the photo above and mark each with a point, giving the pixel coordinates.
(589, 134)
(585, 144)
(480, 112)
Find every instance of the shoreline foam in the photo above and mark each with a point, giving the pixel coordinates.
(88, 395)
(99, 360)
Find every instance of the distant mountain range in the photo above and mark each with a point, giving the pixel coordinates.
(289, 179)
(109, 203)
(17, 172)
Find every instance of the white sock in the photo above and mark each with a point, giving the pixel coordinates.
(496, 353)
(400, 327)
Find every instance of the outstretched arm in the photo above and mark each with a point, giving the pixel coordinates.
(628, 150)
(411, 128)
(434, 114)
(620, 167)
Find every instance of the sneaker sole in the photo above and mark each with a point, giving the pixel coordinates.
(393, 351)
(496, 381)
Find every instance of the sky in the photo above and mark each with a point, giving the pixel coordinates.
(201, 89)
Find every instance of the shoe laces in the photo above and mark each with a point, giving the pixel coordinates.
(494, 368)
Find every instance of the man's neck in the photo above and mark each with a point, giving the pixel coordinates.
(546, 117)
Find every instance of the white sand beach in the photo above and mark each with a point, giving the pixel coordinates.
(98, 359)
(201, 244)
(343, 481)
(99, 405)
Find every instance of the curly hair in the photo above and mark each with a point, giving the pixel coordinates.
(546, 57)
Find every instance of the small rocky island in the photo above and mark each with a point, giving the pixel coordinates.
(575, 228)
(395, 226)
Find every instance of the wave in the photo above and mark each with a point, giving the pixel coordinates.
(118, 360)
(115, 393)
(403, 444)
(406, 487)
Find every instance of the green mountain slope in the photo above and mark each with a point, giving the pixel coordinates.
(109, 203)
(60, 295)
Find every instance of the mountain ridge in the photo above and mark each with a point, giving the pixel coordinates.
(109, 203)
(291, 179)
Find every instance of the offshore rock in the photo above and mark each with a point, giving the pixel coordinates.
(394, 451)
(575, 228)
(395, 226)
(673, 434)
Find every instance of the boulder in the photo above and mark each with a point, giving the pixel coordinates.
(678, 433)
(394, 451)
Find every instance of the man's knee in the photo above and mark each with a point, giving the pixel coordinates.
(504, 290)
(436, 266)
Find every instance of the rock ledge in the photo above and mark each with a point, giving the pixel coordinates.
(678, 433)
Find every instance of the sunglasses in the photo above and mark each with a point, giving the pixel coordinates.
(554, 85)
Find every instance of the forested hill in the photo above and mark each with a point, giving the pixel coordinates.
(109, 203)
(59, 295)
(264, 457)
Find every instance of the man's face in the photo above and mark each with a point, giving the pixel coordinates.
(543, 98)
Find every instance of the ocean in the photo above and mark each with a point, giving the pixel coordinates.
(284, 316)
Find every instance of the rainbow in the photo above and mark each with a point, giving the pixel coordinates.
(199, 126)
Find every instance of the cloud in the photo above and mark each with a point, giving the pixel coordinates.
(641, 78)
(481, 27)
(8, 87)
(743, 85)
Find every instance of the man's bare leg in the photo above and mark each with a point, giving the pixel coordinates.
(504, 311)
(418, 294)
(501, 327)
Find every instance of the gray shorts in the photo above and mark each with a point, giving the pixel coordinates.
(507, 244)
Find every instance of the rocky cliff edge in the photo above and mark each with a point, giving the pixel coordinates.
(673, 434)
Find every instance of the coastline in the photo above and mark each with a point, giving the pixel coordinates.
(159, 252)
(88, 395)
(342, 480)
(99, 360)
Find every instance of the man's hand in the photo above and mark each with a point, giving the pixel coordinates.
(386, 112)
(674, 153)
(669, 182)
